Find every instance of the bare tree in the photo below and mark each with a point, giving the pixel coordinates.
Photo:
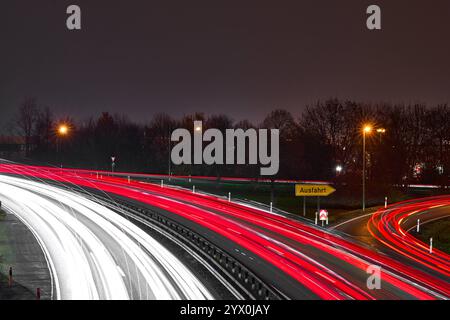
(338, 125)
(26, 119)
(221, 122)
(438, 139)
(282, 120)
(44, 129)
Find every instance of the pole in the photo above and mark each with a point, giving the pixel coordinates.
(271, 207)
(318, 204)
(304, 206)
(364, 173)
(385, 202)
(193, 189)
(315, 221)
(10, 277)
(170, 160)
(431, 245)
(418, 225)
(162, 183)
(229, 196)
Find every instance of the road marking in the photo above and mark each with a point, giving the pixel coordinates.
(121, 271)
(351, 220)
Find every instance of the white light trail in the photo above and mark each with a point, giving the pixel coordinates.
(94, 253)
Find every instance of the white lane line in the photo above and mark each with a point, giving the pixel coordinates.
(351, 220)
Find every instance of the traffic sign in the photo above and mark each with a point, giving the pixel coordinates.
(313, 190)
(323, 215)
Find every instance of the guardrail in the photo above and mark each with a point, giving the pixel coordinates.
(239, 273)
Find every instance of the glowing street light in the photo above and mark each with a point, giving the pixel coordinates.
(367, 129)
(63, 130)
(381, 131)
(339, 168)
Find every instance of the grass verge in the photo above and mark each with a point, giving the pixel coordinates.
(439, 230)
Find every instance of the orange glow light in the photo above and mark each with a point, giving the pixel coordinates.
(367, 129)
(63, 130)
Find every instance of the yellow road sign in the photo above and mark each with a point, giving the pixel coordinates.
(313, 190)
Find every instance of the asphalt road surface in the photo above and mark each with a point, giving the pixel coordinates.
(92, 252)
(392, 231)
(297, 259)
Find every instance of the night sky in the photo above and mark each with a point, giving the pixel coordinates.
(242, 58)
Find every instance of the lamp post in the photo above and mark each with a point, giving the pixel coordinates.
(169, 157)
(366, 130)
(62, 130)
(381, 131)
(198, 137)
(170, 154)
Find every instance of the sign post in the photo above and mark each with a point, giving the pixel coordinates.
(304, 206)
(113, 163)
(313, 190)
(323, 216)
(318, 204)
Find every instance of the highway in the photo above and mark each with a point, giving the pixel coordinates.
(392, 231)
(321, 264)
(92, 252)
(396, 227)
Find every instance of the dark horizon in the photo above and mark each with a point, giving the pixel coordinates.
(245, 60)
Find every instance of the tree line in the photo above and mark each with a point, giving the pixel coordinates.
(408, 143)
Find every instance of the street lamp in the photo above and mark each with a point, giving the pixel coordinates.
(63, 130)
(198, 131)
(338, 169)
(381, 131)
(170, 156)
(367, 129)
